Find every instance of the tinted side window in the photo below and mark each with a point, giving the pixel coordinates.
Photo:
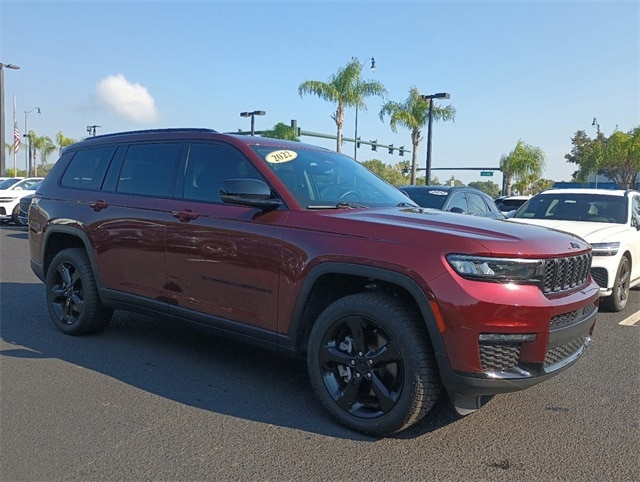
(87, 168)
(477, 205)
(458, 203)
(150, 169)
(208, 165)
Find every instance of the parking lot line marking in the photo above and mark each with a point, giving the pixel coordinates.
(631, 320)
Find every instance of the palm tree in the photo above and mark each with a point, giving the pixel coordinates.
(345, 88)
(44, 145)
(62, 141)
(413, 114)
(525, 162)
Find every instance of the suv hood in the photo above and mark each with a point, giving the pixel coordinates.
(591, 232)
(422, 226)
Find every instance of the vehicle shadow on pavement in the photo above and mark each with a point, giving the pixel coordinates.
(184, 364)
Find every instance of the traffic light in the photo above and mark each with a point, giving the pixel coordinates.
(390, 148)
(401, 151)
(358, 143)
(374, 145)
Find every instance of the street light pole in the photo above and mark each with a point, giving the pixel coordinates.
(2, 124)
(27, 151)
(355, 138)
(252, 115)
(441, 95)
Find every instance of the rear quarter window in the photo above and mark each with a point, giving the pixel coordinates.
(87, 168)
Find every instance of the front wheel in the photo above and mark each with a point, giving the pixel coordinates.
(621, 285)
(371, 363)
(72, 294)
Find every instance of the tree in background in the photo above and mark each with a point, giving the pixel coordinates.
(45, 147)
(580, 143)
(524, 163)
(63, 141)
(617, 157)
(346, 89)
(413, 114)
(281, 131)
(392, 174)
(488, 187)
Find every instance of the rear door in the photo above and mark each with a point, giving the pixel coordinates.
(129, 219)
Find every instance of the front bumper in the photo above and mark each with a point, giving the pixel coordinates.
(505, 367)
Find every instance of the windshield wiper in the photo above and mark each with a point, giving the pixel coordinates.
(342, 205)
(350, 205)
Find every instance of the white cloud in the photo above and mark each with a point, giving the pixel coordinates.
(128, 100)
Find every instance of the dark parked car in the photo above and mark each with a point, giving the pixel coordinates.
(303, 250)
(23, 206)
(455, 199)
(508, 204)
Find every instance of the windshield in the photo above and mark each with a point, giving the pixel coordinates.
(576, 207)
(25, 184)
(7, 183)
(427, 197)
(325, 179)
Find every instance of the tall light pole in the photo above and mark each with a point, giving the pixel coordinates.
(252, 115)
(2, 124)
(27, 151)
(355, 137)
(440, 95)
(597, 126)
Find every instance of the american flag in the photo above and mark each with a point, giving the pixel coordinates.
(16, 138)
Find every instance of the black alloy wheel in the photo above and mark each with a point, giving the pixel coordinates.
(72, 296)
(371, 363)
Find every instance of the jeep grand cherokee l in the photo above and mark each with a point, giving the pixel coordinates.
(303, 250)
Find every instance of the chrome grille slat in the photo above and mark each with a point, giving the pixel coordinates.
(562, 274)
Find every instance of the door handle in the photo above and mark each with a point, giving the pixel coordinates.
(185, 215)
(99, 205)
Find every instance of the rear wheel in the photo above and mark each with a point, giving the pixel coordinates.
(72, 294)
(618, 298)
(371, 363)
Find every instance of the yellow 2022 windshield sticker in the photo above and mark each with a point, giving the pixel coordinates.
(278, 157)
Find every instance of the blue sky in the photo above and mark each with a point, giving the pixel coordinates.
(534, 71)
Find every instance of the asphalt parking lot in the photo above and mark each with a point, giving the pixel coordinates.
(151, 400)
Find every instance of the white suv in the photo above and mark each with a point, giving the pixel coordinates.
(607, 219)
(10, 197)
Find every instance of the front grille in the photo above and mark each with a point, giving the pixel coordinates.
(600, 276)
(563, 274)
(559, 321)
(559, 353)
(499, 356)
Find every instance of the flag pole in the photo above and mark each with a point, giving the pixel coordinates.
(15, 126)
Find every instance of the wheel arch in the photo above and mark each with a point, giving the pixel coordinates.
(331, 281)
(58, 238)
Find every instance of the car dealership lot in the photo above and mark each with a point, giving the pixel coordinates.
(151, 400)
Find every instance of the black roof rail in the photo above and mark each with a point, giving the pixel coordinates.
(154, 131)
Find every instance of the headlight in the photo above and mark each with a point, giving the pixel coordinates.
(605, 249)
(496, 269)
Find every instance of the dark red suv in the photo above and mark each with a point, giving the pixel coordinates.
(303, 250)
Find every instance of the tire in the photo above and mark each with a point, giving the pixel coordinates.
(72, 294)
(618, 299)
(372, 365)
(14, 216)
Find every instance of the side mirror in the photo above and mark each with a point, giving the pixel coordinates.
(248, 192)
